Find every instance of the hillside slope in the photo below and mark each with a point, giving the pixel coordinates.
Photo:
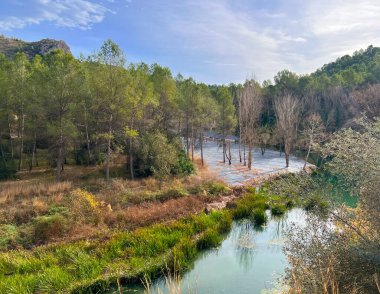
(10, 46)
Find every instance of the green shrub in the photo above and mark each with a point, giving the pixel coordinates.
(47, 227)
(171, 194)
(155, 156)
(278, 209)
(58, 210)
(8, 236)
(216, 188)
(184, 166)
(250, 202)
(259, 216)
(224, 223)
(209, 239)
(183, 253)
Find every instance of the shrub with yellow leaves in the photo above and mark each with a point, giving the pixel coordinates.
(84, 207)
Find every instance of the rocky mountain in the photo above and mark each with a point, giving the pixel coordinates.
(10, 46)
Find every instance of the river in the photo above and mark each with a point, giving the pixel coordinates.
(249, 260)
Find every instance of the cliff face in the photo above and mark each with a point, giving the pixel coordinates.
(10, 47)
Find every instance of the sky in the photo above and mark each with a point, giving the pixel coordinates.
(214, 41)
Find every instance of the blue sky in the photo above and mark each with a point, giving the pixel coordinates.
(214, 41)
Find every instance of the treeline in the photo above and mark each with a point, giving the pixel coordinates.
(299, 111)
(95, 108)
(92, 109)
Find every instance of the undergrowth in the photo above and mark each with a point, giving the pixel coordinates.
(86, 267)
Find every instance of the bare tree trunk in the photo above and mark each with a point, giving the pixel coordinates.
(307, 155)
(249, 155)
(224, 150)
(229, 153)
(287, 153)
(240, 147)
(131, 158)
(201, 141)
(109, 150)
(287, 159)
(60, 154)
(87, 136)
(33, 152)
(96, 143)
(263, 150)
(22, 140)
(10, 135)
(187, 138)
(192, 143)
(245, 161)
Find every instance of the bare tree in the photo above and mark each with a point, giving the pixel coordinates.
(314, 131)
(288, 110)
(251, 105)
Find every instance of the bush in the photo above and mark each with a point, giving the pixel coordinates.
(172, 194)
(215, 188)
(183, 253)
(278, 209)
(259, 216)
(8, 236)
(155, 156)
(48, 227)
(84, 207)
(210, 238)
(184, 166)
(249, 203)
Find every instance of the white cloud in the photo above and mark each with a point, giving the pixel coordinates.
(80, 14)
(236, 41)
(233, 41)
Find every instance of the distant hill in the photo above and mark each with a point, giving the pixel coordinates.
(10, 46)
(363, 64)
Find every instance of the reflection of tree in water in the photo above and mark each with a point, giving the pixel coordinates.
(280, 224)
(244, 233)
(244, 240)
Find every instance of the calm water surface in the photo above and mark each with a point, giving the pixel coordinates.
(249, 260)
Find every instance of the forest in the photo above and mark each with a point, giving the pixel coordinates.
(105, 150)
(87, 111)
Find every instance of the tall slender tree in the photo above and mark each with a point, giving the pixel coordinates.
(62, 79)
(288, 110)
(251, 105)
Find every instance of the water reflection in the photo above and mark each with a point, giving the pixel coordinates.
(249, 259)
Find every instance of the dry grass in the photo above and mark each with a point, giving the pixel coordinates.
(35, 202)
(147, 214)
(18, 190)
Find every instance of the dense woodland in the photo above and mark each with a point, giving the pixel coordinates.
(58, 112)
(88, 111)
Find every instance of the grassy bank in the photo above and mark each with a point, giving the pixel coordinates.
(39, 212)
(126, 257)
(145, 232)
(88, 267)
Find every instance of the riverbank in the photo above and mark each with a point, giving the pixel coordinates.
(90, 266)
(85, 235)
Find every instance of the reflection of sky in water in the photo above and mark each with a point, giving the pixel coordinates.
(249, 259)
